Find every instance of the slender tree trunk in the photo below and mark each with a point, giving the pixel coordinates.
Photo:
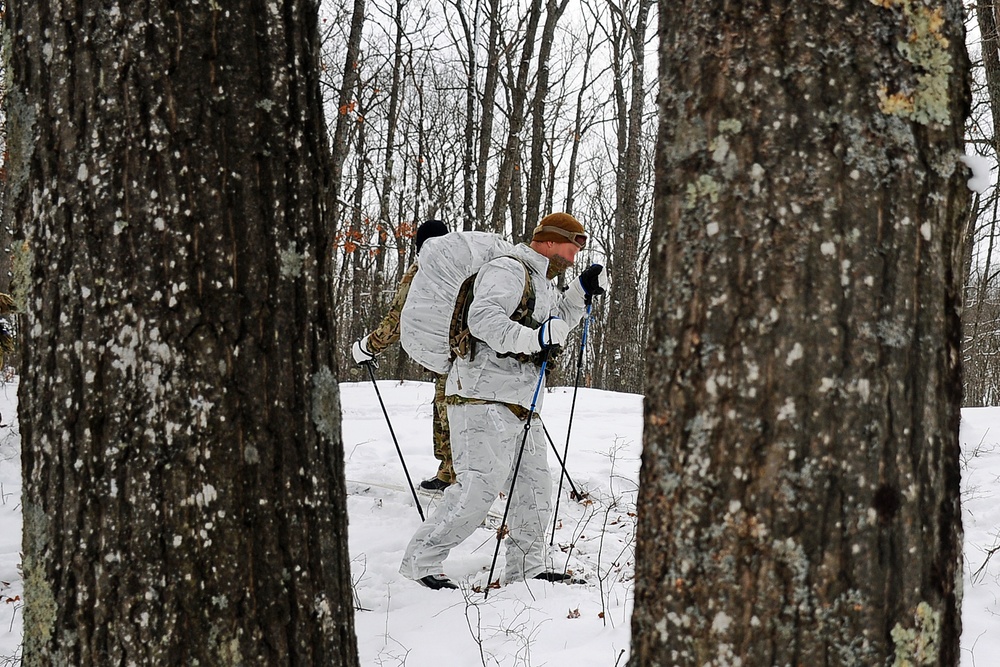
(536, 170)
(178, 376)
(421, 153)
(382, 285)
(979, 318)
(345, 118)
(799, 499)
(625, 308)
(470, 31)
(551, 172)
(515, 207)
(487, 115)
(979, 379)
(986, 16)
(975, 210)
(578, 127)
(366, 310)
(511, 159)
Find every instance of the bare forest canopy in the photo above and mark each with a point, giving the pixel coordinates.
(981, 315)
(450, 107)
(489, 115)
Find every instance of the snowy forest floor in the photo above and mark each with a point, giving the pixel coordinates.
(402, 624)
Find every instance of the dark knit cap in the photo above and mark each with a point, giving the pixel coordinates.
(428, 230)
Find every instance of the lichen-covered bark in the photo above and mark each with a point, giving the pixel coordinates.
(799, 499)
(183, 485)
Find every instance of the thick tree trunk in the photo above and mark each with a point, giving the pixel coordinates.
(799, 499)
(183, 485)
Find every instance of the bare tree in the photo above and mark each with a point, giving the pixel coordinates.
(345, 107)
(510, 162)
(184, 500)
(582, 117)
(488, 111)
(553, 11)
(469, 41)
(800, 477)
(979, 315)
(630, 21)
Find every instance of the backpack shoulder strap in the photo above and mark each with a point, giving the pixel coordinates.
(525, 310)
(460, 338)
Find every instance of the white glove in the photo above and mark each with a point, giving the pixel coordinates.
(576, 292)
(553, 331)
(531, 341)
(526, 341)
(361, 353)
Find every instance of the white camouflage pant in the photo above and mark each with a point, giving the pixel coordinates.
(485, 440)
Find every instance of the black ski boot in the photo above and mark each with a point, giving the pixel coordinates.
(559, 578)
(437, 582)
(434, 484)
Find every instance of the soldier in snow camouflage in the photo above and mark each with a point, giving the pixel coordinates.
(489, 395)
(385, 334)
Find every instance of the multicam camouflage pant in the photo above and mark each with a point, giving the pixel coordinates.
(442, 435)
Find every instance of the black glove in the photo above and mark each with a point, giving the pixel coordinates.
(592, 281)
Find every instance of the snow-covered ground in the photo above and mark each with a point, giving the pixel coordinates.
(520, 624)
(11, 588)
(980, 438)
(400, 623)
(543, 624)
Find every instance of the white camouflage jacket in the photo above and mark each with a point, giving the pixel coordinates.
(497, 292)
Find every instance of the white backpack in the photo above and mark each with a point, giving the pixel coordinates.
(446, 263)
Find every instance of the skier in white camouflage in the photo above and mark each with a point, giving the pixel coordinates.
(490, 390)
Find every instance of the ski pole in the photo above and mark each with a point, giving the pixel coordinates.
(513, 479)
(569, 428)
(371, 374)
(555, 450)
